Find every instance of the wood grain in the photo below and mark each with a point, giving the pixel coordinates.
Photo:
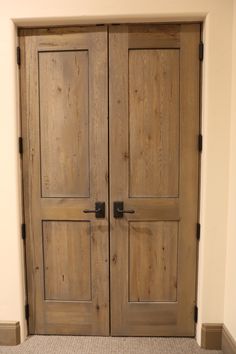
(154, 123)
(67, 260)
(153, 169)
(153, 261)
(64, 135)
(56, 316)
(149, 176)
(152, 209)
(153, 36)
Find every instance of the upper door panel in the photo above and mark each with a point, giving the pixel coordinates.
(153, 122)
(64, 138)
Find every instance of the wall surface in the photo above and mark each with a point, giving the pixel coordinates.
(230, 285)
(217, 16)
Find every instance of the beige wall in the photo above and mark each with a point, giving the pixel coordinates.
(217, 15)
(230, 286)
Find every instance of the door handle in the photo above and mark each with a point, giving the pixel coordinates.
(118, 210)
(99, 210)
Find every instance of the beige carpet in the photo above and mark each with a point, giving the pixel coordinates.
(106, 345)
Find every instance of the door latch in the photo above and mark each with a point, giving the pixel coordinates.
(99, 210)
(118, 210)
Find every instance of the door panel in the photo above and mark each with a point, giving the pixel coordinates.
(64, 243)
(65, 163)
(153, 261)
(154, 120)
(64, 139)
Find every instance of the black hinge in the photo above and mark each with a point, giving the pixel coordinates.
(201, 51)
(23, 231)
(18, 56)
(20, 145)
(198, 231)
(195, 313)
(200, 142)
(27, 311)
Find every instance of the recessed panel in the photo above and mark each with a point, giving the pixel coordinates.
(153, 261)
(154, 123)
(63, 80)
(67, 260)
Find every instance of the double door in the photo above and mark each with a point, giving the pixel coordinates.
(110, 124)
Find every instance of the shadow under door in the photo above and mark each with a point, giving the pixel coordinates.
(110, 125)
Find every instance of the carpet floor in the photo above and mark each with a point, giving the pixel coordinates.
(106, 345)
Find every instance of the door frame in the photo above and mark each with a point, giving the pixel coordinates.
(90, 24)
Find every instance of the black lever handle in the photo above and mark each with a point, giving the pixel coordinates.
(118, 210)
(99, 210)
(129, 211)
(86, 211)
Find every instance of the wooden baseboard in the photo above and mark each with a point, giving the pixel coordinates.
(212, 336)
(228, 343)
(9, 333)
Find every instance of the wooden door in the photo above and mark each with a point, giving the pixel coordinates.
(65, 163)
(154, 127)
(153, 144)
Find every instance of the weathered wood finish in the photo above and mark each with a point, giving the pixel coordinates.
(153, 261)
(153, 123)
(67, 260)
(154, 36)
(64, 116)
(139, 119)
(64, 139)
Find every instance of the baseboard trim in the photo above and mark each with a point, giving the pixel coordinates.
(9, 333)
(212, 336)
(228, 342)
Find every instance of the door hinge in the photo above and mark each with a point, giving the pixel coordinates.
(200, 138)
(23, 231)
(201, 51)
(18, 56)
(20, 142)
(27, 311)
(195, 313)
(198, 231)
